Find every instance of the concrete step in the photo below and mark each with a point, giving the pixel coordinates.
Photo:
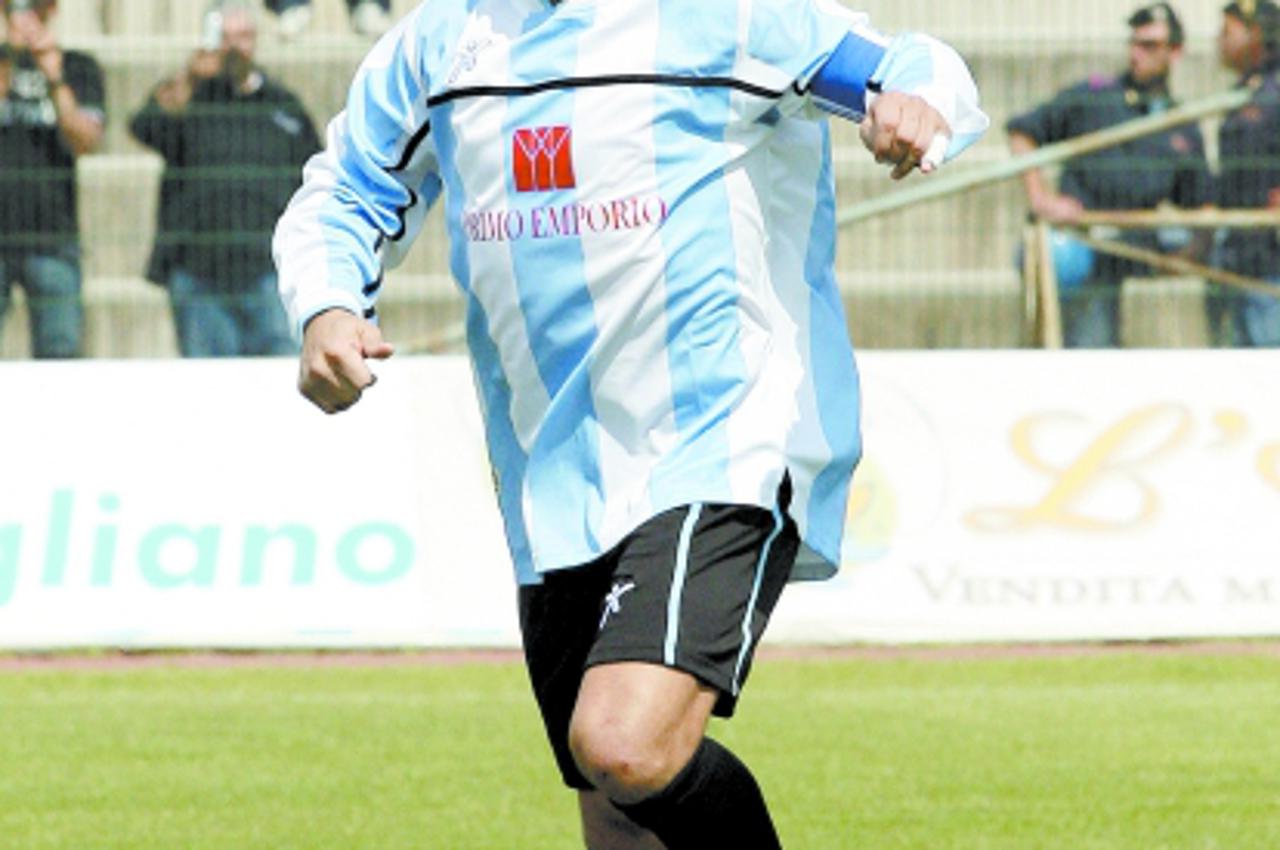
(963, 244)
(1036, 22)
(84, 19)
(1019, 54)
(980, 308)
(129, 317)
(118, 198)
(1097, 21)
(975, 229)
(1011, 80)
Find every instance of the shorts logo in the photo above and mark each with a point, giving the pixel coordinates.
(613, 600)
(542, 159)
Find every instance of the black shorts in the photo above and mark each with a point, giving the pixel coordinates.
(691, 589)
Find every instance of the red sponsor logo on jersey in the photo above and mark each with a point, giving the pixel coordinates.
(542, 159)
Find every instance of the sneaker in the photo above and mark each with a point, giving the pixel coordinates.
(370, 19)
(294, 20)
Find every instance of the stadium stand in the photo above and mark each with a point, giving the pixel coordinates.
(940, 275)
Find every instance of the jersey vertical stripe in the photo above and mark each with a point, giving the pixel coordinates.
(759, 423)
(632, 325)
(689, 126)
(834, 374)
(563, 485)
(508, 457)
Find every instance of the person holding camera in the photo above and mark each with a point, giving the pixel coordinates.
(234, 141)
(51, 112)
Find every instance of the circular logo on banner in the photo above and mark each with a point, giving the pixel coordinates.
(872, 518)
(900, 487)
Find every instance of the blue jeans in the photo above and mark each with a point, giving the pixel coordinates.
(213, 322)
(1090, 311)
(1252, 321)
(51, 281)
(1091, 316)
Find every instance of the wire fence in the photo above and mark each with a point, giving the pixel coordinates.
(944, 273)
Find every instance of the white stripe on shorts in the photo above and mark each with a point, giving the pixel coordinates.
(751, 604)
(677, 584)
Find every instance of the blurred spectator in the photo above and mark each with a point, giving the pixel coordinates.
(1249, 151)
(51, 111)
(234, 142)
(368, 17)
(1141, 174)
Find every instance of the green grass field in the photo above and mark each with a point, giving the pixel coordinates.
(1113, 751)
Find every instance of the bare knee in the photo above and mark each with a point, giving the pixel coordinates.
(635, 727)
(625, 764)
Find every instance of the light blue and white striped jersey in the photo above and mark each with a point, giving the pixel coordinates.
(641, 213)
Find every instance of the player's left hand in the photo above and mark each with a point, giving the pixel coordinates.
(899, 128)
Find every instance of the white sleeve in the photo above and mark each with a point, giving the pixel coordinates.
(363, 198)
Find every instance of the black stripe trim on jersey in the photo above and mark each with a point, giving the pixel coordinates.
(370, 313)
(411, 149)
(606, 80)
(371, 288)
(421, 134)
(402, 215)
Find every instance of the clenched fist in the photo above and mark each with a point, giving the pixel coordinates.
(333, 373)
(899, 128)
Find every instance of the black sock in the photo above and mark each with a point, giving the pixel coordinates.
(714, 802)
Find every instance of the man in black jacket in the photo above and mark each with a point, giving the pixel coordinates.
(234, 142)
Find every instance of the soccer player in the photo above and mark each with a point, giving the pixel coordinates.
(640, 203)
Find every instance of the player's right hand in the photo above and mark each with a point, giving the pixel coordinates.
(335, 345)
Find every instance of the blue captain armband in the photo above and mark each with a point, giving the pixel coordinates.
(840, 86)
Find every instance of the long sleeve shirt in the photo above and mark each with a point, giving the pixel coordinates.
(640, 206)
